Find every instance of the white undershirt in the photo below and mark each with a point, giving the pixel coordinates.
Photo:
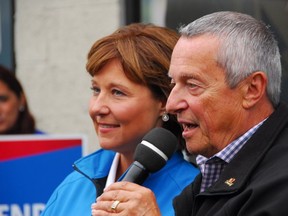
(113, 170)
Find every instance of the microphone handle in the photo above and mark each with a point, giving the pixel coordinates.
(137, 173)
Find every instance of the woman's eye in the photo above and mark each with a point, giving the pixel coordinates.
(95, 90)
(3, 98)
(117, 92)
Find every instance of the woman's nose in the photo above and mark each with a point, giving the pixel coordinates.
(98, 106)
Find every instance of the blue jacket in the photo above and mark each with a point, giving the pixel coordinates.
(74, 196)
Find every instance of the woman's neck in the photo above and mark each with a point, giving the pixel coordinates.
(124, 162)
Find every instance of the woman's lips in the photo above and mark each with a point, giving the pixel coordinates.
(105, 128)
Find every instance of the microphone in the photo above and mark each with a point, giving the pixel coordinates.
(151, 154)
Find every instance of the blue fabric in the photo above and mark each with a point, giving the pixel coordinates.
(77, 192)
(39, 132)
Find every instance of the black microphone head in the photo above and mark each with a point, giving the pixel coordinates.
(156, 148)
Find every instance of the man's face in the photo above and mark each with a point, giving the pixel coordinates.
(208, 109)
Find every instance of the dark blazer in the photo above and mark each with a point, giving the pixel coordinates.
(254, 183)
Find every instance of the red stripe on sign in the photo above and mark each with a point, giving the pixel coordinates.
(11, 149)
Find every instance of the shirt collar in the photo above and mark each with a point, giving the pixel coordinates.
(228, 153)
(113, 170)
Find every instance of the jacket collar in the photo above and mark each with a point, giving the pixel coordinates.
(95, 165)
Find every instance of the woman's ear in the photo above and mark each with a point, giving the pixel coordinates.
(22, 100)
(163, 107)
(254, 88)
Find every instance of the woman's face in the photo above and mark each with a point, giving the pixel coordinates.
(122, 111)
(9, 108)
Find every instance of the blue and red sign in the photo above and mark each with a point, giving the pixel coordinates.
(31, 167)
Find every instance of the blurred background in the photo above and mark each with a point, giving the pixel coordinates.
(46, 42)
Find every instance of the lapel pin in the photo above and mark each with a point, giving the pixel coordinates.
(230, 181)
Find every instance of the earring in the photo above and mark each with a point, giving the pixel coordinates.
(165, 117)
(21, 108)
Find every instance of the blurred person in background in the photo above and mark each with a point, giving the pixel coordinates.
(15, 117)
(130, 87)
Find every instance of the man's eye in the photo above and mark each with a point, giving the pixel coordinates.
(192, 85)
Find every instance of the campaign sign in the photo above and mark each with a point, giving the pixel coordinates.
(31, 167)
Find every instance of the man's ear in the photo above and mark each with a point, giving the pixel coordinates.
(254, 88)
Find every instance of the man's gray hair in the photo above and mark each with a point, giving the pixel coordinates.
(246, 46)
